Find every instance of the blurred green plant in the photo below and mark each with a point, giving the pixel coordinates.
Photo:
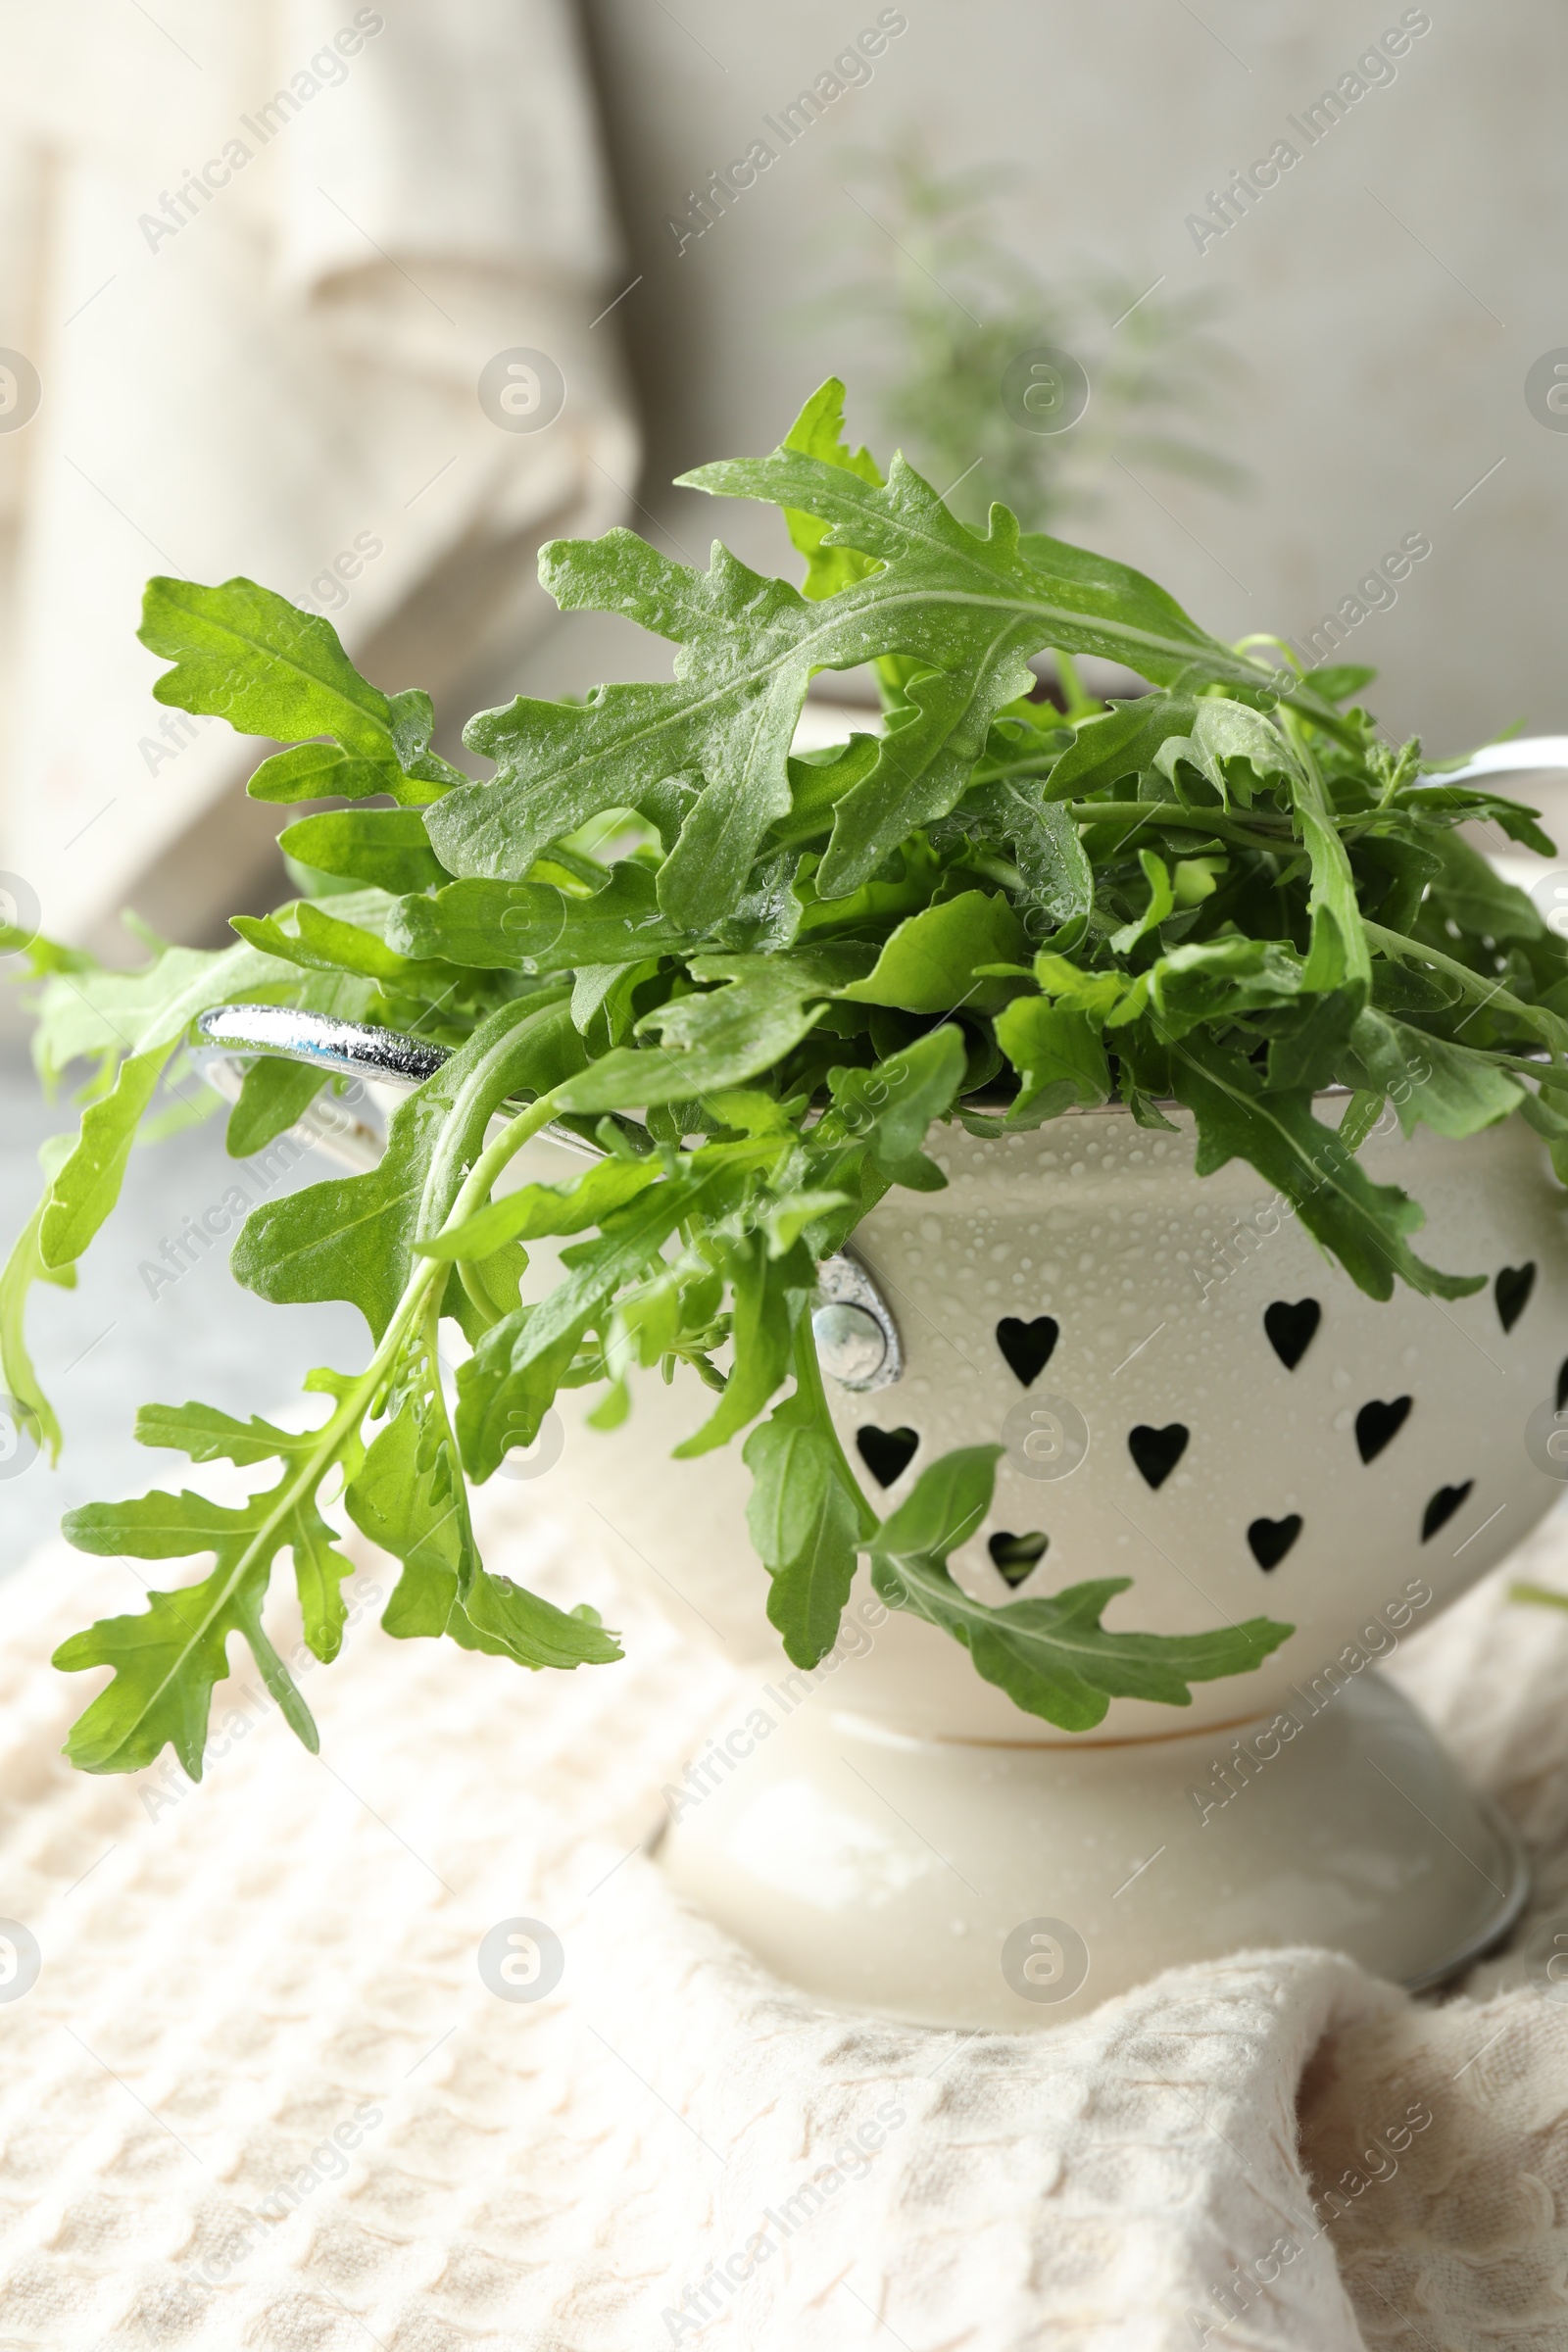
(953, 305)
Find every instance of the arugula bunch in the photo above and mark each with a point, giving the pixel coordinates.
(752, 980)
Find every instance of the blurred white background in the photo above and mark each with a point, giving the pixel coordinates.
(1387, 298)
(254, 262)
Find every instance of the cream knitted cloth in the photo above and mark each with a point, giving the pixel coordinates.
(260, 2096)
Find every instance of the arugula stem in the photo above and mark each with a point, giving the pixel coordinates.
(1540, 1592)
(995, 868)
(1275, 832)
(998, 771)
(520, 1130)
(1547, 1027)
(1550, 1074)
(483, 1305)
(1362, 1114)
(1245, 645)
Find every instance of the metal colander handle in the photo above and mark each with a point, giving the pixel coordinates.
(856, 1336)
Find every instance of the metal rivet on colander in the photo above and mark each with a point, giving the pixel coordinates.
(857, 1339)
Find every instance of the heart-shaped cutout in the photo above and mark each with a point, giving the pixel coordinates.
(1441, 1510)
(1271, 1538)
(1157, 1452)
(887, 1452)
(1512, 1290)
(1291, 1329)
(1028, 1347)
(1377, 1422)
(1016, 1556)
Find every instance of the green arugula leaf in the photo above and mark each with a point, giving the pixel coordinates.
(413, 735)
(243, 653)
(947, 1504)
(534, 926)
(1058, 1056)
(272, 1096)
(353, 1237)
(1051, 1655)
(208, 1434)
(316, 771)
(1054, 595)
(1100, 995)
(1308, 1051)
(720, 1038)
(1161, 903)
(1219, 980)
(818, 432)
(1222, 740)
(388, 848)
(1473, 895)
(322, 943)
(167, 1661)
(966, 609)
(1365, 1225)
(405, 1499)
(1453, 1090)
(1055, 1658)
(408, 1507)
(1087, 602)
(818, 781)
(22, 1268)
(87, 1184)
(561, 763)
(1338, 952)
(89, 1014)
(929, 963)
(770, 1294)
(541, 1208)
(1121, 743)
(791, 1216)
(1043, 839)
(805, 1525)
(506, 1387)
(1337, 681)
(532, 1632)
(891, 1108)
(1158, 731)
(1432, 798)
